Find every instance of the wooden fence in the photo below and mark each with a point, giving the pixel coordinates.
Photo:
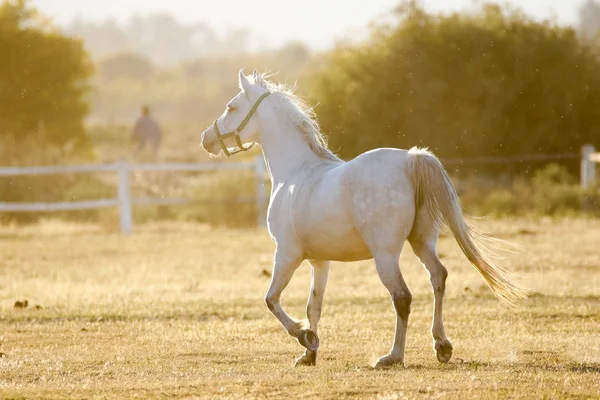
(123, 200)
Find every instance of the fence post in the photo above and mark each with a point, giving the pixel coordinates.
(261, 192)
(588, 167)
(124, 196)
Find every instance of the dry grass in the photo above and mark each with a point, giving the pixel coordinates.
(176, 311)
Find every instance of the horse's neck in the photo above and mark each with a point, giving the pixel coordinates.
(286, 151)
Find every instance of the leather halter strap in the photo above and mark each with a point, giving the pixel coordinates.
(236, 133)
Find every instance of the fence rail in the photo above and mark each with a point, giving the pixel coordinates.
(57, 169)
(62, 206)
(124, 201)
(512, 159)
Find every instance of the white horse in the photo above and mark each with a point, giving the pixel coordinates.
(323, 209)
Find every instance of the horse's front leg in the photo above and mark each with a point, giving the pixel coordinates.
(319, 274)
(283, 271)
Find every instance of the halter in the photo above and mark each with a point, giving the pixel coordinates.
(236, 133)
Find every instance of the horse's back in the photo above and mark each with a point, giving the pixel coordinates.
(380, 173)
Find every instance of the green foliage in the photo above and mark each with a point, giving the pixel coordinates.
(489, 83)
(552, 191)
(43, 87)
(43, 80)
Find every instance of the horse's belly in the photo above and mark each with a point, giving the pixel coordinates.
(330, 244)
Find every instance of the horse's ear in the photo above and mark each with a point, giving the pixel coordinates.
(258, 79)
(245, 85)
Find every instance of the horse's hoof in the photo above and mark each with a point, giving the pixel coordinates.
(443, 350)
(309, 358)
(309, 339)
(388, 361)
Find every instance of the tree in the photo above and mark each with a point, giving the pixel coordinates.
(124, 65)
(489, 83)
(43, 79)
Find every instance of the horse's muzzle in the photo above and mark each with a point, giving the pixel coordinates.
(209, 142)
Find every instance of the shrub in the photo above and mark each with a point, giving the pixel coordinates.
(551, 191)
(216, 198)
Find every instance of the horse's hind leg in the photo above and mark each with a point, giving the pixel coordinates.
(319, 274)
(391, 277)
(423, 240)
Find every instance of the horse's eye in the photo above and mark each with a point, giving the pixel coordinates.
(230, 108)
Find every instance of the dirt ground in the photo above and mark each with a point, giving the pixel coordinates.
(176, 311)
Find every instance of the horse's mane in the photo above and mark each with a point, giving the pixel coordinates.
(301, 115)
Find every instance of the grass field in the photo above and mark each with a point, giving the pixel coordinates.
(176, 311)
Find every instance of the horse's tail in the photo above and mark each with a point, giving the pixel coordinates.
(435, 192)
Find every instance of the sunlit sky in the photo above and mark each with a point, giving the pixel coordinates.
(315, 22)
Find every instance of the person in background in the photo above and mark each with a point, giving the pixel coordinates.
(146, 132)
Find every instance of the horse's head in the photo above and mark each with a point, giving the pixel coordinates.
(235, 127)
